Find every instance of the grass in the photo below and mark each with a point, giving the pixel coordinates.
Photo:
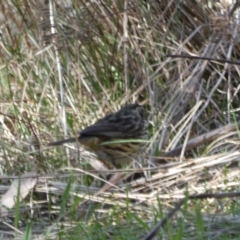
(101, 55)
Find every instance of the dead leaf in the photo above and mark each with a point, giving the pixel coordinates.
(19, 189)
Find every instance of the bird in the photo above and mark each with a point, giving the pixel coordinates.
(116, 138)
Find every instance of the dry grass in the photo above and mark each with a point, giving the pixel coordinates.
(100, 55)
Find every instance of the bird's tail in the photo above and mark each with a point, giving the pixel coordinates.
(69, 140)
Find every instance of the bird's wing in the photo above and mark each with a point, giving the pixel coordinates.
(102, 129)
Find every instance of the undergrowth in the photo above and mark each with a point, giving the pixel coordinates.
(65, 64)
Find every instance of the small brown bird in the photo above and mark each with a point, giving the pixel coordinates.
(115, 138)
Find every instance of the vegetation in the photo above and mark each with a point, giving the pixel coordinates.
(64, 64)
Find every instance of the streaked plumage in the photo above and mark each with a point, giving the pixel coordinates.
(129, 123)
